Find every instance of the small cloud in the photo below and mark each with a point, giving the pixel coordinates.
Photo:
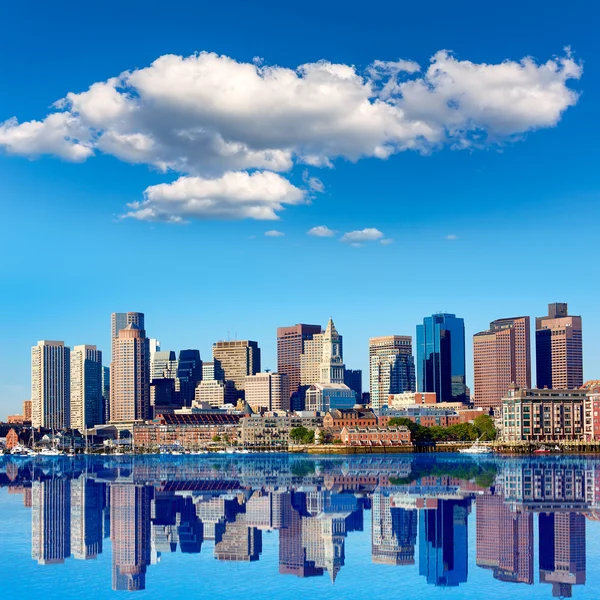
(251, 237)
(370, 234)
(314, 183)
(321, 231)
(386, 241)
(451, 237)
(274, 233)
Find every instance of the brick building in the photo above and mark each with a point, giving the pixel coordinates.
(375, 436)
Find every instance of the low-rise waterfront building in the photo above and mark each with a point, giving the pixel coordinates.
(375, 436)
(185, 431)
(410, 398)
(426, 416)
(548, 415)
(591, 411)
(274, 432)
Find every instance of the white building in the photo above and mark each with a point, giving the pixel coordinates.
(323, 397)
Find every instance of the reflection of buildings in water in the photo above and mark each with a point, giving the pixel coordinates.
(174, 524)
(504, 539)
(130, 535)
(214, 509)
(443, 545)
(50, 520)
(87, 504)
(239, 542)
(393, 531)
(562, 551)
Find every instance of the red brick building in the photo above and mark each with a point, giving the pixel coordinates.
(591, 410)
(335, 420)
(187, 431)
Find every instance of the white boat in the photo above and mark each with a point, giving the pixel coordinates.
(476, 448)
(49, 452)
(19, 450)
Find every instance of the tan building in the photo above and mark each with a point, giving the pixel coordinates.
(50, 385)
(501, 356)
(130, 376)
(236, 360)
(412, 398)
(391, 368)
(273, 432)
(268, 391)
(559, 349)
(291, 343)
(534, 415)
(86, 387)
(215, 392)
(27, 410)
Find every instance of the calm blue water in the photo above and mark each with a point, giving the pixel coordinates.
(278, 526)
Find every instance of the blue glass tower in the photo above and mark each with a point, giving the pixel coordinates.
(441, 357)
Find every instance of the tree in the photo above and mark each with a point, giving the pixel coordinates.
(484, 425)
(418, 433)
(216, 438)
(302, 435)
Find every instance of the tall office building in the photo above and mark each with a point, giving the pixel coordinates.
(237, 359)
(120, 321)
(391, 366)
(189, 374)
(353, 379)
(153, 348)
(290, 347)
(501, 356)
(27, 410)
(441, 357)
(268, 391)
(130, 376)
(50, 385)
(86, 387)
(164, 365)
(559, 349)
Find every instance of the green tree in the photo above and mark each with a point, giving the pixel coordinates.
(216, 438)
(302, 435)
(484, 425)
(418, 433)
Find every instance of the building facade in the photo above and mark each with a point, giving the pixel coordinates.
(592, 411)
(130, 376)
(375, 436)
(501, 356)
(120, 321)
(441, 357)
(547, 415)
(86, 387)
(273, 432)
(391, 367)
(215, 392)
(189, 374)
(268, 391)
(237, 359)
(290, 347)
(50, 385)
(323, 397)
(559, 349)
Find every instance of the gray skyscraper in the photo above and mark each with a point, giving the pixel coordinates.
(50, 385)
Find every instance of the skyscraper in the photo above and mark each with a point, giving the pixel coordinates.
(50, 385)
(86, 387)
(290, 347)
(268, 391)
(501, 356)
(106, 393)
(87, 505)
(119, 321)
(237, 359)
(441, 357)
(189, 374)
(559, 349)
(391, 366)
(353, 379)
(332, 364)
(130, 376)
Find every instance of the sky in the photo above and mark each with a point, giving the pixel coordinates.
(232, 167)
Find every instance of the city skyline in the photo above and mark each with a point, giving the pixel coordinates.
(446, 210)
(469, 341)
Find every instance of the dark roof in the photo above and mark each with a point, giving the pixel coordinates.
(199, 419)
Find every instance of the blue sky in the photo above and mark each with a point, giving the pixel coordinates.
(512, 181)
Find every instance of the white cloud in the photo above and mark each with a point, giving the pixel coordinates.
(313, 183)
(451, 237)
(370, 234)
(207, 115)
(260, 195)
(274, 233)
(321, 231)
(386, 241)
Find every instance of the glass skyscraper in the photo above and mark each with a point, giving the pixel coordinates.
(441, 357)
